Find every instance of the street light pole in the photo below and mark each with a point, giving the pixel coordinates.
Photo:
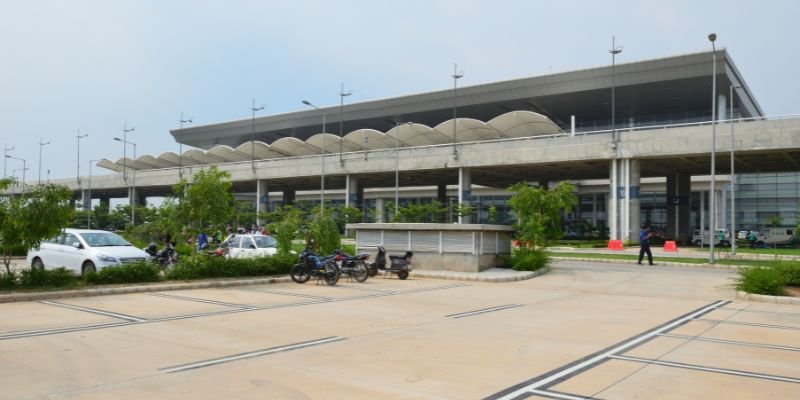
(253, 135)
(397, 166)
(42, 143)
(733, 179)
(6, 149)
(342, 95)
(125, 131)
(89, 220)
(24, 168)
(79, 137)
(712, 200)
(614, 51)
(133, 196)
(180, 145)
(456, 76)
(321, 161)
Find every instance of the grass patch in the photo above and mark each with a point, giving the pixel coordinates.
(664, 259)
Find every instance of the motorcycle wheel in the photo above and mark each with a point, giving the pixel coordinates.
(360, 272)
(300, 273)
(402, 274)
(331, 275)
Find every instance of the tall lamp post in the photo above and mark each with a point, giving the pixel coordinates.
(397, 126)
(89, 213)
(253, 135)
(712, 201)
(78, 137)
(733, 178)
(615, 208)
(42, 143)
(456, 76)
(24, 168)
(124, 140)
(342, 95)
(321, 160)
(133, 185)
(6, 149)
(180, 145)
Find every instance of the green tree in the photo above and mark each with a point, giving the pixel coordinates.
(492, 217)
(286, 222)
(774, 221)
(325, 233)
(347, 215)
(27, 219)
(205, 201)
(538, 211)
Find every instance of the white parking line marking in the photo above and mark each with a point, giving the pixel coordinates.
(482, 311)
(199, 300)
(605, 355)
(95, 311)
(257, 353)
(733, 342)
(43, 332)
(718, 321)
(709, 369)
(556, 395)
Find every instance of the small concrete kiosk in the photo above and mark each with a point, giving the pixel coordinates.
(443, 247)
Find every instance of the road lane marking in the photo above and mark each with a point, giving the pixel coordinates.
(719, 321)
(733, 342)
(482, 311)
(251, 354)
(199, 300)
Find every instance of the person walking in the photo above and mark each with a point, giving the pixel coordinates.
(644, 241)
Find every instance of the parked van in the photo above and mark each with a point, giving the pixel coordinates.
(697, 240)
(778, 236)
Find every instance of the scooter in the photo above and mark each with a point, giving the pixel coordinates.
(400, 265)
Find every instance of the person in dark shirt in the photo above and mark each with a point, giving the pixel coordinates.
(644, 241)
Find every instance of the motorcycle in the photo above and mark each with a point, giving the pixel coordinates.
(400, 265)
(165, 258)
(311, 265)
(352, 266)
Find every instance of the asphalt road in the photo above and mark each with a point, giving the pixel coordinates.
(581, 331)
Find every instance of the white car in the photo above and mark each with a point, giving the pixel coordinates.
(249, 246)
(83, 250)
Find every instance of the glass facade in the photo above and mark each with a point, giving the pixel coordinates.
(762, 199)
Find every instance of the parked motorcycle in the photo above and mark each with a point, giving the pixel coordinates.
(312, 265)
(165, 258)
(400, 265)
(352, 266)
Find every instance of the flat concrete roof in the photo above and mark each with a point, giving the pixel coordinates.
(660, 90)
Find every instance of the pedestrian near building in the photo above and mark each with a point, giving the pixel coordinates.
(644, 241)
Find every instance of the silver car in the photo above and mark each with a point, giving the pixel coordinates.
(84, 250)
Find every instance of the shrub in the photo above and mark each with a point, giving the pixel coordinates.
(761, 280)
(8, 280)
(221, 267)
(790, 271)
(529, 259)
(126, 273)
(59, 277)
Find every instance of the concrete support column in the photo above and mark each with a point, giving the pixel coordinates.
(703, 226)
(86, 201)
(262, 199)
(613, 203)
(679, 224)
(634, 202)
(380, 210)
(288, 197)
(354, 194)
(723, 213)
(722, 106)
(594, 209)
(133, 197)
(718, 210)
(464, 193)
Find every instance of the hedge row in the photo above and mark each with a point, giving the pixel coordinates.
(200, 267)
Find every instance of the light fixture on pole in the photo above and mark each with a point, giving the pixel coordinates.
(6, 149)
(180, 144)
(456, 76)
(733, 177)
(342, 95)
(89, 211)
(79, 137)
(125, 131)
(24, 168)
(321, 161)
(712, 200)
(42, 143)
(253, 135)
(133, 197)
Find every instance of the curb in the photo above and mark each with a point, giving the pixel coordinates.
(61, 294)
(762, 298)
(476, 277)
(659, 264)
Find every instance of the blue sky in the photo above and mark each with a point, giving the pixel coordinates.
(95, 65)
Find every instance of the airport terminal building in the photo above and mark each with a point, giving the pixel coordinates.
(652, 165)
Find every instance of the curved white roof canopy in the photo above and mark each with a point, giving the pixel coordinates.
(510, 125)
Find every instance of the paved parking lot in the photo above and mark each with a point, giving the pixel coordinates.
(582, 331)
